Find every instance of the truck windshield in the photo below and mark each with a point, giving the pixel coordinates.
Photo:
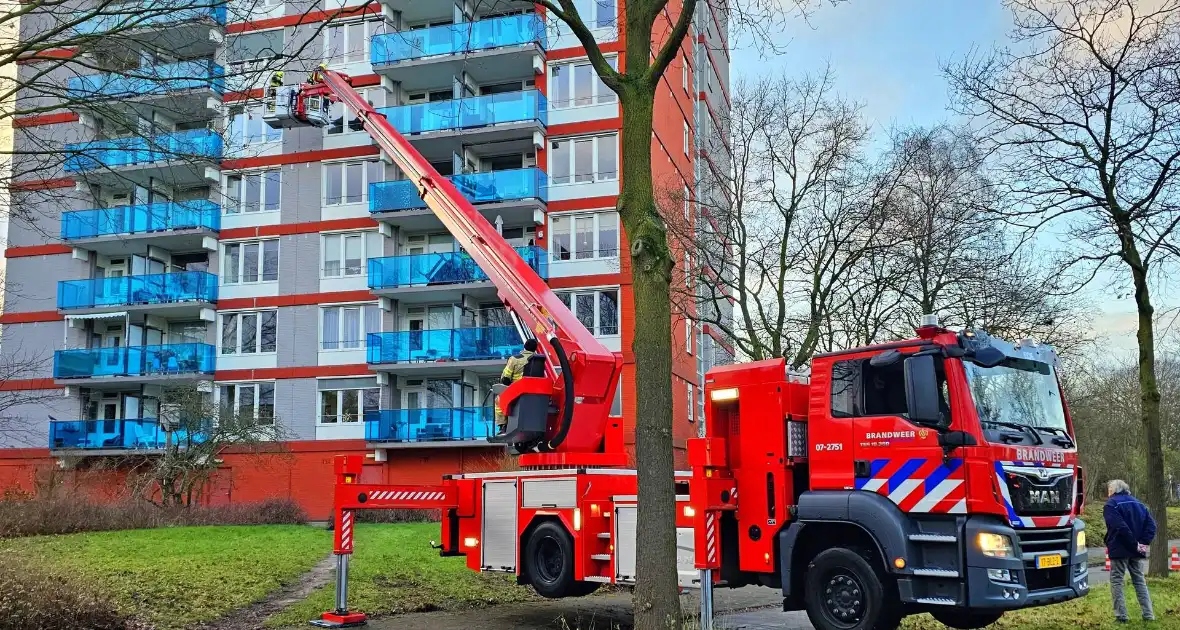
(1017, 392)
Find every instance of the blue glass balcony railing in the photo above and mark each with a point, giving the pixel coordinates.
(155, 288)
(442, 268)
(151, 217)
(470, 112)
(131, 16)
(491, 187)
(429, 425)
(149, 80)
(197, 144)
(129, 434)
(457, 39)
(447, 344)
(169, 359)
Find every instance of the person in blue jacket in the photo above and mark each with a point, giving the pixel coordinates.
(1129, 530)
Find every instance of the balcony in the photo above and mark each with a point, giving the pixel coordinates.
(175, 226)
(441, 127)
(492, 50)
(134, 363)
(424, 350)
(416, 426)
(435, 276)
(179, 294)
(179, 158)
(173, 25)
(115, 436)
(517, 196)
(187, 90)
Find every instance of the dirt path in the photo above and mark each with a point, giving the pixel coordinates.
(252, 616)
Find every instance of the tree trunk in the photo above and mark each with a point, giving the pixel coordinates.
(655, 600)
(1155, 494)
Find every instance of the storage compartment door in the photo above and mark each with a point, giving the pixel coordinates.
(498, 546)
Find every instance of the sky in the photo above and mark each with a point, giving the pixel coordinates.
(887, 55)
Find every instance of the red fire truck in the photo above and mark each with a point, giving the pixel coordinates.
(937, 474)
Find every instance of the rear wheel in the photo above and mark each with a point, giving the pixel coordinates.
(549, 558)
(966, 620)
(844, 592)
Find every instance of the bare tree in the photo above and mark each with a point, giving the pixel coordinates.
(1084, 117)
(17, 365)
(197, 432)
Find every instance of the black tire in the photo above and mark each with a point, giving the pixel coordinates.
(844, 592)
(549, 559)
(967, 620)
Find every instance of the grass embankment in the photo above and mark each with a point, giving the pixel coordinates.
(175, 577)
(1096, 526)
(394, 570)
(1092, 612)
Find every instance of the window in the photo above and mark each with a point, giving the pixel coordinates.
(687, 270)
(337, 113)
(344, 254)
(250, 261)
(246, 127)
(348, 405)
(584, 236)
(688, 335)
(687, 206)
(345, 327)
(348, 182)
(616, 405)
(861, 389)
(248, 401)
(597, 309)
(692, 403)
(584, 160)
(686, 137)
(253, 52)
(249, 333)
(253, 192)
(348, 42)
(597, 13)
(684, 72)
(577, 85)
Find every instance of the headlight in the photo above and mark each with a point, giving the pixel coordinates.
(995, 545)
(1081, 540)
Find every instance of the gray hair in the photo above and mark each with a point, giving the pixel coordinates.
(1115, 486)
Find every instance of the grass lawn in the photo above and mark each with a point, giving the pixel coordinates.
(174, 577)
(394, 570)
(1092, 612)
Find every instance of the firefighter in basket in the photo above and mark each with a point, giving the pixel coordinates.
(513, 371)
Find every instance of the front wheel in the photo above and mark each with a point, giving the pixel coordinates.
(966, 620)
(844, 592)
(549, 559)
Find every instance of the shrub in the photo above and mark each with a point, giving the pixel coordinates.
(398, 516)
(32, 599)
(70, 513)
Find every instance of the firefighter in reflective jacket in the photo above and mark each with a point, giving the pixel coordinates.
(513, 371)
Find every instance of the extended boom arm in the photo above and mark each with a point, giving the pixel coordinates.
(581, 384)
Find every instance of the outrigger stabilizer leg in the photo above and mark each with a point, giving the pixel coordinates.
(341, 617)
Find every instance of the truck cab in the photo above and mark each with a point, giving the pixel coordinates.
(936, 474)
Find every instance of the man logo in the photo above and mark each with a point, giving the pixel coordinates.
(1042, 474)
(1044, 497)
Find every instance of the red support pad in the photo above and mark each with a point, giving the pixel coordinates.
(340, 620)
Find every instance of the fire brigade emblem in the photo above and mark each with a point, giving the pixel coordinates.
(923, 433)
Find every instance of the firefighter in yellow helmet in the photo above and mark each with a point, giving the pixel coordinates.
(276, 79)
(513, 371)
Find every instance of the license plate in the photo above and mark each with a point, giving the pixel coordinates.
(1049, 561)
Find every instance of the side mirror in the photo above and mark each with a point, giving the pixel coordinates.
(887, 358)
(921, 392)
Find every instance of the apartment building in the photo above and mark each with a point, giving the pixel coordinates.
(293, 274)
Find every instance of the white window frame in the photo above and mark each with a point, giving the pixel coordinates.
(371, 27)
(597, 177)
(344, 164)
(684, 72)
(241, 208)
(346, 130)
(370, 239)
(596, 291)
(572, 217)
(692, 400)
(686, 137)
(246, 67)
(257, 387)
(687, 206)
(600, 94)
(688, 334)
(341, 421)
(250, 113)
(237, 348)
(371, 307)
(236, 277)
